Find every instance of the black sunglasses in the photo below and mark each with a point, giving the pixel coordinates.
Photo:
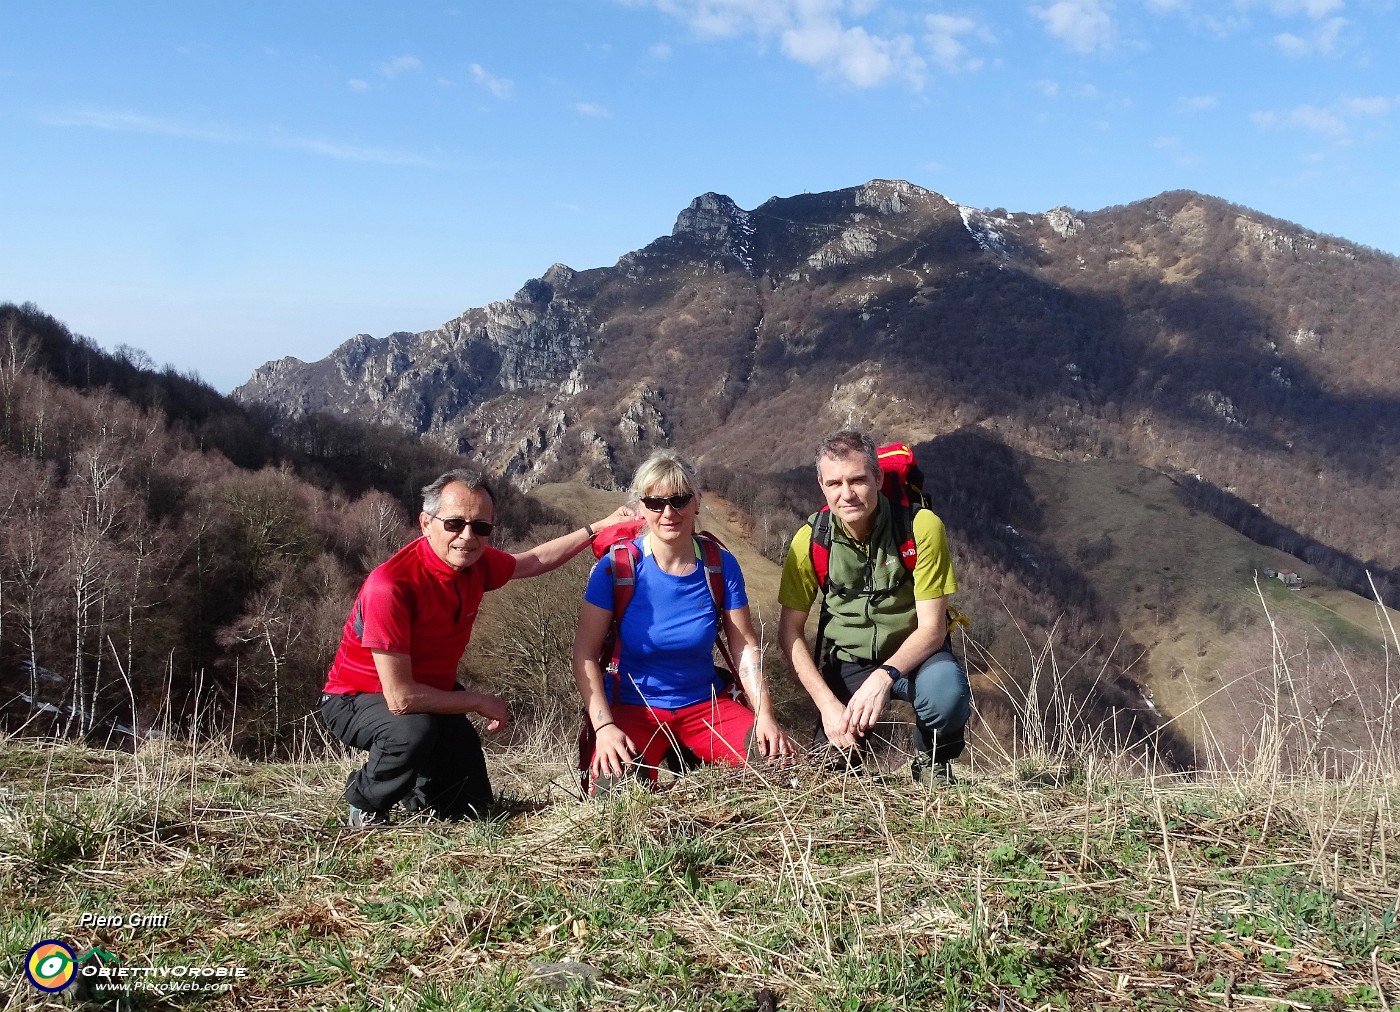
(456, 525)
(657, 503)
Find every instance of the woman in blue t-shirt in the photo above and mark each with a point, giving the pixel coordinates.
(667, 689)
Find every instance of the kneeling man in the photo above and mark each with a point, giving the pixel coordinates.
(392, 688)
(885, 629)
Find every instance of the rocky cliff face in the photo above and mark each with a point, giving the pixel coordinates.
(1166, 332)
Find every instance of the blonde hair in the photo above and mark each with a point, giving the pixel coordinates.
(664, 469)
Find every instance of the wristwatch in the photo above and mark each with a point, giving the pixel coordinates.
(895, 673)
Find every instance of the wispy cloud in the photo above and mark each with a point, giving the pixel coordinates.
(354, 152)
(1082, 25)
(1176, 150)
(1334, 122)
(826, 35)
(499, 86)
(1196, 103)
(659, 51)
(1325, 40)
(400, 65)
(126, 121)
(592, 109)
(1315, 9)
(357, 85)
(944, 39)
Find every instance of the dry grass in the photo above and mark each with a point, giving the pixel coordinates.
(1074, 880)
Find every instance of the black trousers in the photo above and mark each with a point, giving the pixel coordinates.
(420, 761)
(938, 691)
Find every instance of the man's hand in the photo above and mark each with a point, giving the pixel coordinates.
(771, 740)
(620, 515)
(865, 707)
(493, 708)
(834, 724)
(613, 752)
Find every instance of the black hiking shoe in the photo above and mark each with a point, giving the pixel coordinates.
(928, 773)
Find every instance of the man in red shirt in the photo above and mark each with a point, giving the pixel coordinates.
(392, 688)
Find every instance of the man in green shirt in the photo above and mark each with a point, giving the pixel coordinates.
(886, 629)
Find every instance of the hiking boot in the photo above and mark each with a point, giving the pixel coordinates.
(931, 774)
(361, 818)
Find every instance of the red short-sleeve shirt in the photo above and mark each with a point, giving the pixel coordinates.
(415, 604)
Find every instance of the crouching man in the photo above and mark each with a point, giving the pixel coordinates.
(885, 629)
(392, 688)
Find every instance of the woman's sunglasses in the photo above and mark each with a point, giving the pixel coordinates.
(657, 503)
(456, 525)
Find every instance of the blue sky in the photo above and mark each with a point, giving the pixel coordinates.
(224, 183)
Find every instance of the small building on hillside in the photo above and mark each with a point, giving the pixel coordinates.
(1287, 577)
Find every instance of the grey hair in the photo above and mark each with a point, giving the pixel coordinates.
(474, 480)
(846, 443)
(666, 469)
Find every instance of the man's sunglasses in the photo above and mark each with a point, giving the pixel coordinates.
(657, 503)
(456, 525)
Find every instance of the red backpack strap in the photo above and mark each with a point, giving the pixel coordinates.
(623, 558)
(712, 558)
(819, 546)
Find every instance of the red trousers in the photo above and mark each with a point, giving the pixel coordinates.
(716, 730)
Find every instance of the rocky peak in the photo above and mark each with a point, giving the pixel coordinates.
(719, 226)
(710, 218)
(889, 196)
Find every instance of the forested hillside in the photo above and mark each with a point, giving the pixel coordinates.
(168, 554)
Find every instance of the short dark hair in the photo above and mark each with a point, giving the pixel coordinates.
(473, 479)
(846, 443)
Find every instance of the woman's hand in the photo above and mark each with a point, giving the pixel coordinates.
(613, 752)
(772, 741)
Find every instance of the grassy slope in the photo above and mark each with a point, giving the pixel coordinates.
(1178, 578)
(1019, 889)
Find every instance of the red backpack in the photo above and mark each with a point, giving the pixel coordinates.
(618, 543)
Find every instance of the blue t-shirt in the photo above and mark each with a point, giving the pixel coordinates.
(668, 630)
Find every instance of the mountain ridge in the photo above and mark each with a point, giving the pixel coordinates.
(1180, 332)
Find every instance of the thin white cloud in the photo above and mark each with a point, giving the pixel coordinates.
(1334, 122)
(354, 153)
(1176, 150)
(400, 65)
(1325, 40)
(944, 39)
(125, 121)
(824, 34)
(357, 85)
(1050, 89)
(1196, 103)
(1082, 25)
(592, 109)
(501, 87)
(659, 51)
(1315, 9)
